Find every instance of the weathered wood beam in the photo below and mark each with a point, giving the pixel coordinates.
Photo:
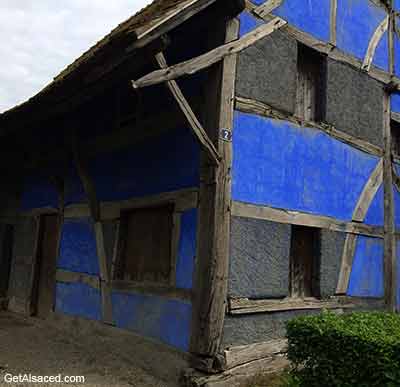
(389, 222)
(73, 277)
(211, 274)
(194, 123)
(267, 7)
(359, 214)
(242, 354)
(201, 62)
(251, 106)
(373, 43)
(303, 219)
(333, 22)
(239, 306)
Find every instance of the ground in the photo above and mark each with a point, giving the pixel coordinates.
(39, 347)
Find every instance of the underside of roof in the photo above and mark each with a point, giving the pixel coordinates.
(129, 36)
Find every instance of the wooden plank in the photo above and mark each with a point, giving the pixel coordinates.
(266, 8)
(368, 193)
(303, 219)
(392, 28)
(389, 223)
(211, 275)
(239, 306)
(235, 356)
(251, 106)
(164, 291)
(396, 179)
(73, 277)
(194, 123)
(176, 233)
(168, 22)
(373, 43)
(346, 263)
(201, 62)
(333, 22)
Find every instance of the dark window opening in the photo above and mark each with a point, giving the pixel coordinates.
(395, 131)
(304, 262)
(311, 84)
(145, 245)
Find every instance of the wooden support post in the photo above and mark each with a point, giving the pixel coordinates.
(99, 232)
(211, 280)
(389, 225)
(333, 22)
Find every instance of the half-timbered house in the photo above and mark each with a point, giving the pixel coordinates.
(207, 171)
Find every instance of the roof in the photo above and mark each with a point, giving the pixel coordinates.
(134, 30)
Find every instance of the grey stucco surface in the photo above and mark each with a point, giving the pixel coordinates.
(354, 102)
(267, 71)
(332, 244)
(259, 258)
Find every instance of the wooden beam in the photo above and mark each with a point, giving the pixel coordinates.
(201, 62)
(72, 277)
(303, 219)
(194, 123)
(239, 306)
(373, 43)
(346, 263)
(391, 34)
(389, 223)
(242, 354)
(267, 7)
(367, 195)
(211, 274)
(333, 22)
(251, 106)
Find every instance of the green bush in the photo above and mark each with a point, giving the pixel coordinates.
(358, 349)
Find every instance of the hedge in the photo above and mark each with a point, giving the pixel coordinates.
(357, 349)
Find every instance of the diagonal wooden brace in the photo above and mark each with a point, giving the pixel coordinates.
(194, 123)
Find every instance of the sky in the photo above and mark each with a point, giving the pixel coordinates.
(39, 38)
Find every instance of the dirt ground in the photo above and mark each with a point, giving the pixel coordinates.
(31, 345)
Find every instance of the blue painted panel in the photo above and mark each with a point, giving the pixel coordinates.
(366, 279)
(279, 164)
(396, 195)
(396, 4)
(187, 250)
(78, 247)
(311, 16)
(169, 162)
(357, 21)
(375, 211)
(78, 299)
(381, 57)
(38, 192)
(395, 102)
(248, 23)
(396, 43)
(164, 320)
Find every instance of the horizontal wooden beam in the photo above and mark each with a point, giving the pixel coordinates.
(303, 219)
(247, 306)
(67, 276)
(251, 106)
(201, 62)
(183, 200)
(151, 289)
(242, 354)
(197, 129)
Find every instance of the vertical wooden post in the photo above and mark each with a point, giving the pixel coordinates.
(389, 226)
(211, 280)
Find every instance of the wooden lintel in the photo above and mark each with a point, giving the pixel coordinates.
(73, 277)
(251, 106)
(303, 219)
(194, 123)
(267, 7)
(201, 62)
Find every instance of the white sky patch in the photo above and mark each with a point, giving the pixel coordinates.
(39, 38)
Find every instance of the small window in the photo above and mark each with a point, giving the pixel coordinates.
(311, 84)
(145, 245)
(395, 130)
(304, 262)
